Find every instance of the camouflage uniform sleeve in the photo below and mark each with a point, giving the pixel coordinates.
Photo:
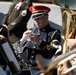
(23, 16)
(4, 21)
(14, 23)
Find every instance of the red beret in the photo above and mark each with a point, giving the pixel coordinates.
(39, 10)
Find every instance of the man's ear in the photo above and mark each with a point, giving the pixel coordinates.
(47, 16)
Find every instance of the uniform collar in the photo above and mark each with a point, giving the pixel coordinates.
(46, 28)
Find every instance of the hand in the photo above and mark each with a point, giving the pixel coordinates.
(25, 34)
(32, 37)
(71, 43)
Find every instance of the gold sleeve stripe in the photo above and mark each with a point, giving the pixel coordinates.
(47, 46)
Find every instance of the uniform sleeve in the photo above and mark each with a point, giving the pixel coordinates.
(49, 49)
(22, 18)
(14, 23)
(4, 21)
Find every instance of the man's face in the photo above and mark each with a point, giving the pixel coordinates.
(41, 21)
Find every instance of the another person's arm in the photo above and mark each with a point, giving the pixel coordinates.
(4, 21)
(23, 16)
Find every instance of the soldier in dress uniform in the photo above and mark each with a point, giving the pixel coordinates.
(16, 19)
(45, 40)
